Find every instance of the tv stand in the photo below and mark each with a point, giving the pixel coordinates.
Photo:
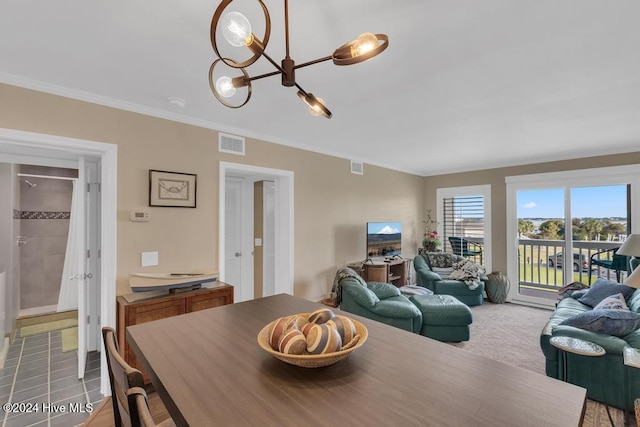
(392, 271)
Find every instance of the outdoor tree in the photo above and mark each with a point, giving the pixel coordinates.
(525, 227)
(613, 228)
(592, 227)
(551, 229)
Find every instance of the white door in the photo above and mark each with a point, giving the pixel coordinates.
(233, 234)
(81, 223)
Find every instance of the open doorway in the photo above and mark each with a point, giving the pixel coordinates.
(242, 188)
(18, 147)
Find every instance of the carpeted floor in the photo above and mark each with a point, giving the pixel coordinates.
(510, 333)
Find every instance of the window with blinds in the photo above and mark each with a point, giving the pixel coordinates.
(463, 226)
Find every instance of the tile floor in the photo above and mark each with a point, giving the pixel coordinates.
(36, 371)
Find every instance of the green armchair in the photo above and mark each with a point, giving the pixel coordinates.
(431, 280)
(380, 301)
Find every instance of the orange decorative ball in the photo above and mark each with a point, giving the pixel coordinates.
(345, 327)
(321, 315)
(323, 338)
(292, 342)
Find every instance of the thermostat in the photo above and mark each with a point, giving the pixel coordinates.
(139, 216)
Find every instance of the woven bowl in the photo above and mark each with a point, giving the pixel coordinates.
(312, 360)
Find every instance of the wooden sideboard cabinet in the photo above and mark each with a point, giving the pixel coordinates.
(143, 307)
(393, 271)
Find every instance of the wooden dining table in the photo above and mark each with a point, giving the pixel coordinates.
(209, 370)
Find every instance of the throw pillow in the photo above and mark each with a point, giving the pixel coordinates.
(614, 302)
(604, 288)
(609, 322)
(441, 259)
(578, 294)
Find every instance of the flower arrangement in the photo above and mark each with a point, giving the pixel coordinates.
(431, 239)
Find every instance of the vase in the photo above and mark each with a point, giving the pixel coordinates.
(497, 287)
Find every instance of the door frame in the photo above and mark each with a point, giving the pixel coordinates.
(22, 147)
(283, 196)
(628, 174)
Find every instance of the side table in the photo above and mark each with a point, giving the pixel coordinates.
(575, 346)
(631, 357)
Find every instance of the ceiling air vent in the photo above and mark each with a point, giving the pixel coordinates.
(230, 144)
(357, 167)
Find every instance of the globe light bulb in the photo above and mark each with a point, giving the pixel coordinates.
(315, 109)
(236, 29)
(365, 42)
(225, 87)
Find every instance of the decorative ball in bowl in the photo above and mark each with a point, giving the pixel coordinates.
(312, 340)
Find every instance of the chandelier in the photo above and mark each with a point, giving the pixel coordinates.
(236, 30)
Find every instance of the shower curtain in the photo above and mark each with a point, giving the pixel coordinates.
(68, 298)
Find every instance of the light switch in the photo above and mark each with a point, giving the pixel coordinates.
(149, 259)
(258, 242)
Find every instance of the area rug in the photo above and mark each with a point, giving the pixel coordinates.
(69, 339)
(40, 328)
(510, 333)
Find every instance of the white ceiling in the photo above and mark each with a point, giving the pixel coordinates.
(464, 84)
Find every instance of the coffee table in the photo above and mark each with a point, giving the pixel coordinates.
(208, 369)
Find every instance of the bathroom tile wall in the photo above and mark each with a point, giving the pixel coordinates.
(44, 222)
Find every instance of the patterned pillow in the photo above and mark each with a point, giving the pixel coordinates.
(442, 259)
(609, 322)
(614, 302)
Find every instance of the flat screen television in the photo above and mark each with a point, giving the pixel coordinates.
(384, 239)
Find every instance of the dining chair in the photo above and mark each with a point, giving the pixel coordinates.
(139, 394)
(122, 377)
(611, 261)
(460, 246)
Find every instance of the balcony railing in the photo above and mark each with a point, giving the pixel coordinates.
(541, 262)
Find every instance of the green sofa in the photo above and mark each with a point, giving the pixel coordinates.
(441, 317)
(380, 301)
(603, 376)
(431, 280)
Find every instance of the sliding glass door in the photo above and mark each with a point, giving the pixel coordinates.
(566, 228)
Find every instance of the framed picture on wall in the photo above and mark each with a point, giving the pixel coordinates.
(172, 189)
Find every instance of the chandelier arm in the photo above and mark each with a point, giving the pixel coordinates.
(275, 64)
(315, 61)
(301, 90)
(262, 76)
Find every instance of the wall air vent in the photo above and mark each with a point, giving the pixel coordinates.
(230, 144)
(357, 168)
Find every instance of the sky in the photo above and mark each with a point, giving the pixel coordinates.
(596, 202)
(375, 227)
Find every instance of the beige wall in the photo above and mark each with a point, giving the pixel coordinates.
(496, 178)
(331, 205)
